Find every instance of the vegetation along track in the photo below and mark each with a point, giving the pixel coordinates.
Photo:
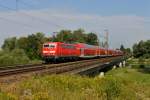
(52, 68)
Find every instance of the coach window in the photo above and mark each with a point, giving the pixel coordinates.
(67, 46)
(63, 46)
(71, 47)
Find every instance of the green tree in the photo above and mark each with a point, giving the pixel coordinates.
(34, 45)
(92, 39)
(142, 49)
(10, 44)
(22, 43)
(128, 50)
(79, 36)
(64, 36)
(122, 48)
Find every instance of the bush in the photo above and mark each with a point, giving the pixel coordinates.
(141, 62)
(112, 87)
(17, 56)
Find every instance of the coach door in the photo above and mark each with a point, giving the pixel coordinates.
(82, 51)
(61, 50)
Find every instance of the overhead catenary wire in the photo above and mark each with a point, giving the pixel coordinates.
(41, 20)
(26, 4)
(18, 23)
(15, 22)
(105, 38)
(43, 12)
(31, 16)
(38, 18)
(16, 5)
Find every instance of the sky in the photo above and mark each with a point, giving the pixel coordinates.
(128, 21)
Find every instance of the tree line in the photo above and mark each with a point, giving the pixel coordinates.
(142, 49)
(126, 51)
(24, 49)
(77, 36)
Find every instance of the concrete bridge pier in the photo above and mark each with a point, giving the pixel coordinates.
(115, 66)
(124, 63)
(101, 74)
(120, 64)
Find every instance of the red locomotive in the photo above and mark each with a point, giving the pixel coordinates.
(53, 51)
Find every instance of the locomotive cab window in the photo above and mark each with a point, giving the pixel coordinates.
(49, 46)
(46, 45)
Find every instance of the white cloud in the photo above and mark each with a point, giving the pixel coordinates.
(123, 29)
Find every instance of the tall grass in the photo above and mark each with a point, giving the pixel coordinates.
(120, 84)
(65, 87)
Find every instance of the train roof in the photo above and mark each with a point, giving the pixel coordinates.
(58, 42)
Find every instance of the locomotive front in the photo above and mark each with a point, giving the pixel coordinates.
(49, 51)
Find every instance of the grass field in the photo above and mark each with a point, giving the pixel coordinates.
(129, 83)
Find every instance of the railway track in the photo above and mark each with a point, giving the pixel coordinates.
(18, 66)
(52, 68)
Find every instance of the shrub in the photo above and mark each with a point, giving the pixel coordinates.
(17, 56)
(111, 87)
(141, 62)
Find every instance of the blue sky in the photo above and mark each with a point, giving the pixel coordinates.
(101, 7)
(128, 21)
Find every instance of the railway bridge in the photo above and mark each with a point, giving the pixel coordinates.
(101, 67)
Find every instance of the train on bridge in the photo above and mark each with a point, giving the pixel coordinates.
(56, 51)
